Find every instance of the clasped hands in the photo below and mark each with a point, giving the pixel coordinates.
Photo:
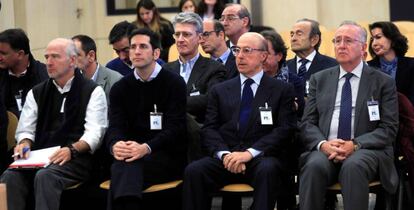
(337, 149)
(129, 150)
(235, 162)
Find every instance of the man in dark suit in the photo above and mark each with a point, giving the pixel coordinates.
(305, 41)
(247, 144)
(213, 42)
(199, 73)
(91, 69)
(348, 128)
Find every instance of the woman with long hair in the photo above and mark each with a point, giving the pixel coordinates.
(210, 9)
(148, 16)
(387, 48)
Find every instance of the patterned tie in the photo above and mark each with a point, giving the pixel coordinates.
(345, 113)
(302, 68)
(246, 105)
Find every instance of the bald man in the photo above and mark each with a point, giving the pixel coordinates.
(246, 145)
(67, 111)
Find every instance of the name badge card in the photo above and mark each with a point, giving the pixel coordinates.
(266, 115)
(155, 119)
(373, 110)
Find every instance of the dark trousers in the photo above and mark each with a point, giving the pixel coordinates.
(208, 175)
(354, 175)
(47, 184)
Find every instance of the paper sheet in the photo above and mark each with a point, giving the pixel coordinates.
(37, 159)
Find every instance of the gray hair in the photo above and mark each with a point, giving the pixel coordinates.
(71, 49)
(189, 18)
(362, 30)
(314, 30)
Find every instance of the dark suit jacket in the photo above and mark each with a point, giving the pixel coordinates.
(319, 63)
(204, 75)
(220, 130)
(3, 135)
(377, 136)
(404, 77)
(231, 67)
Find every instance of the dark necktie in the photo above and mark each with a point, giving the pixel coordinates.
(302, 68)
(345, 113)
(246, 105)
(219, 60)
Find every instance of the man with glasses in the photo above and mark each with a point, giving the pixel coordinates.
(305, 39)
(236, 21)
(247, 144)
(199, 73)
(348, 128)
(213, 42)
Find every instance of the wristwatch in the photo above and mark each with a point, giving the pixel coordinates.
(357, 145)
(73, 152)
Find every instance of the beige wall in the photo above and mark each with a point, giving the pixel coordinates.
(44, 20)
(282, 14)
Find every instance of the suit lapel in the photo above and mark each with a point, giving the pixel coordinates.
(102, 77)
(314, 66)
(196, 72)
(363, 93)
(234, 95)
(330, 94)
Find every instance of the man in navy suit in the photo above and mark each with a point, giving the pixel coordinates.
(247, 144)
(305, 41)
(213, 42)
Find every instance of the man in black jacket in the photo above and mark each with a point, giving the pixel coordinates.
(19, 71)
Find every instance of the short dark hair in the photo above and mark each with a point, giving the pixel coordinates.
(17, 39)
(88, 44)
(182, 2)
(315, 31)
(120, 30)
(154, 38)
(217, 25)
(391, 32)
(277, 43)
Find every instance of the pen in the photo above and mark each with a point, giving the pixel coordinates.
(25, 149)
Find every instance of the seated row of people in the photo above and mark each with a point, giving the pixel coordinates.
(146, 133)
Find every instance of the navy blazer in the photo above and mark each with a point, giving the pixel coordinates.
(231, 67)
(220, 131)
(404, 78)
(320, 62)
(204, 75)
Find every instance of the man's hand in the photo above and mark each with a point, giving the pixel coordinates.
(120, 150)
(20, 151)
(332, 148)
(61, 156)
(136, 150)
(235, 161)
(348, 149)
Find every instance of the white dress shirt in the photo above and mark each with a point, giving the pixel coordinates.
(310, 58)
(96, 120)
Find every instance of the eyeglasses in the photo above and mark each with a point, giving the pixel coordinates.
(229, 18)
(186, 35)
(346, 41)
(206, 34)
(123, 50)
(245, 50)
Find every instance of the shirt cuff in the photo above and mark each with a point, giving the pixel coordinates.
(254, 152)
(149, 148)
(318, 147)
(221, 153)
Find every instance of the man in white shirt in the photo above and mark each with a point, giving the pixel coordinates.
(66, 110)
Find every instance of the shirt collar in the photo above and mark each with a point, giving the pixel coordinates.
(357, 71)
(154, 73)
(65, 88)
(191, 61)
(256, 78)
(95, 75)
(224, 56)
(310, 57)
